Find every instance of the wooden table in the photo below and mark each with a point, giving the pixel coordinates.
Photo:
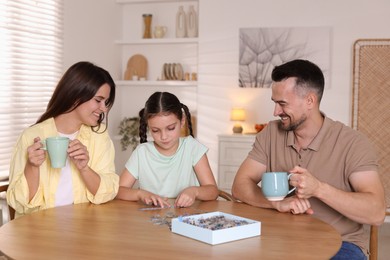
(119, 230)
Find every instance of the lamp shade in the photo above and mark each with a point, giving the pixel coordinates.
(237, 114)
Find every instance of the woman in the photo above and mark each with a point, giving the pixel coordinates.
(77, 108)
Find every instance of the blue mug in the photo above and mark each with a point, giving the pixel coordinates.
(57, 148)
(274, 185)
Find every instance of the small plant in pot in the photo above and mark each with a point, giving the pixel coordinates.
(129, 132)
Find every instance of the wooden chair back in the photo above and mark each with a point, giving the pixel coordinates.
(373, 244)
(4, 187)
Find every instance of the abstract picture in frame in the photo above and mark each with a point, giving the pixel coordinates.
(261, 49)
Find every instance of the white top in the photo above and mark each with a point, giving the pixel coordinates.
(64, 194)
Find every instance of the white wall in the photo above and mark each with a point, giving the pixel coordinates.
(220, 21)
(91, 27)
(90, 30)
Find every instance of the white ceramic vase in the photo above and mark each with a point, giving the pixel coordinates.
(181, 26)
(192, 22)
(160, 31)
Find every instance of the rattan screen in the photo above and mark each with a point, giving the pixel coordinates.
(371, 99)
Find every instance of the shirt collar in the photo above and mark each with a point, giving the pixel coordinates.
(318, 140)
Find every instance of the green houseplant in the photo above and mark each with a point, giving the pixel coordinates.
(129, 132)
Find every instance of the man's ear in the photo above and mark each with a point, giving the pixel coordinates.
(311, 99)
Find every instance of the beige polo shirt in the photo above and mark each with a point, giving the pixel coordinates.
(335, 153)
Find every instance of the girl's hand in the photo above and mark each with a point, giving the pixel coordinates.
(186, 198)
(36, 155)
(78, 154)
(152, 199)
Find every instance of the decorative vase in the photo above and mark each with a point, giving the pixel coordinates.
(181, 23)
(160, 31)
(192, 22)
(147, 26)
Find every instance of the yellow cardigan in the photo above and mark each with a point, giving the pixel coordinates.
(101, 160)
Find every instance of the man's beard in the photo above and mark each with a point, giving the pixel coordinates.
(293, 125)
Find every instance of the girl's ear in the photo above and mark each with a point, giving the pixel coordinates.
(183, 121)
(184, 127)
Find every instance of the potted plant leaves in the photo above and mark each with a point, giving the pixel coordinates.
(129, 132)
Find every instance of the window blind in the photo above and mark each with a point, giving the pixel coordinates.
(30, 66)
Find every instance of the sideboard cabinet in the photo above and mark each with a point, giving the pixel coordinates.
(233, 149)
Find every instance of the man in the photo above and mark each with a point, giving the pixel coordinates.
(334, 168)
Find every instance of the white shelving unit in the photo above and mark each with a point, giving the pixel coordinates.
(132, 95)
(157, 51)
(159, 41)
(150, 1)
(156, 83)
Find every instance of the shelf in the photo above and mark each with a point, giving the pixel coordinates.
(173, 83)
(157, 51)
(151, 1)
(159, 41)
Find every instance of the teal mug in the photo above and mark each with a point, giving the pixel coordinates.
(274, 185)
(57, 148)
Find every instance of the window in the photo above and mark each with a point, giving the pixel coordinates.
(30, 66)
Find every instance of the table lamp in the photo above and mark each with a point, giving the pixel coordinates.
(237, 115)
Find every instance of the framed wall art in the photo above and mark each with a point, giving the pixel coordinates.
(261, 49)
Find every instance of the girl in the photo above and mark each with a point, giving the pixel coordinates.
(170, 166)
(76, 110)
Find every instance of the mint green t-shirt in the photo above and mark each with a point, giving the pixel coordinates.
(163, 175)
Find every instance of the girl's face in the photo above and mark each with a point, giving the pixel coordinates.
(165, 130)
(89, 112)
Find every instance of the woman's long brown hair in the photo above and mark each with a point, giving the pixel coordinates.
(79, 84)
